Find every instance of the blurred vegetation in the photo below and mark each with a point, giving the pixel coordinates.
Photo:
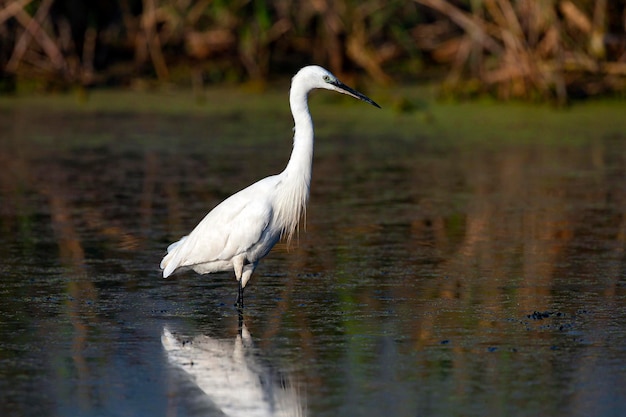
(529, 49)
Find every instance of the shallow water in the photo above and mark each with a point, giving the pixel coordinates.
(433, 278)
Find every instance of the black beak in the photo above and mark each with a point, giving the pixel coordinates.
(353, 93)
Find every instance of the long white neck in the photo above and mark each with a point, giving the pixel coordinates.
(296, 180)
(302, 154)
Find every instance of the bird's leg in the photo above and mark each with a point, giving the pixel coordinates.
(239, 301)
(238, 267)
(240, 322)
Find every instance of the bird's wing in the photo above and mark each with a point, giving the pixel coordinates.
(228, 237)
(231, 228)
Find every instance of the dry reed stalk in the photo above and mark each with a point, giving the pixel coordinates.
(153, 43)
(471, 24)
(34, 30)
(526, 48)
(12, 9)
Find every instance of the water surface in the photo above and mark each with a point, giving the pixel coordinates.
(437, 274)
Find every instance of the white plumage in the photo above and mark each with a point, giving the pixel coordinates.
(241, 230)
(229, 373)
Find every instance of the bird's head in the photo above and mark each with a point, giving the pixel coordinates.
(315, 76)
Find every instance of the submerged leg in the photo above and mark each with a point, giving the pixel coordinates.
(240, 324)
(239, 301)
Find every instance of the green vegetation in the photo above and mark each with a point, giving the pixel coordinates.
(234, 113)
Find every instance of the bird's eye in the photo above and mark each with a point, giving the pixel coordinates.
(327, 78)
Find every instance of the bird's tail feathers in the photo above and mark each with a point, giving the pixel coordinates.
(171, 261)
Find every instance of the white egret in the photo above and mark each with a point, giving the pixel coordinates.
(241, 230)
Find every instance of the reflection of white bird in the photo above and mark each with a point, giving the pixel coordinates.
(241, 230)
(228, 374)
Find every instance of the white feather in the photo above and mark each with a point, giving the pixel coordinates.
(241, 230)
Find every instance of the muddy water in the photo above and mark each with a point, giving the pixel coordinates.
(433, 278)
